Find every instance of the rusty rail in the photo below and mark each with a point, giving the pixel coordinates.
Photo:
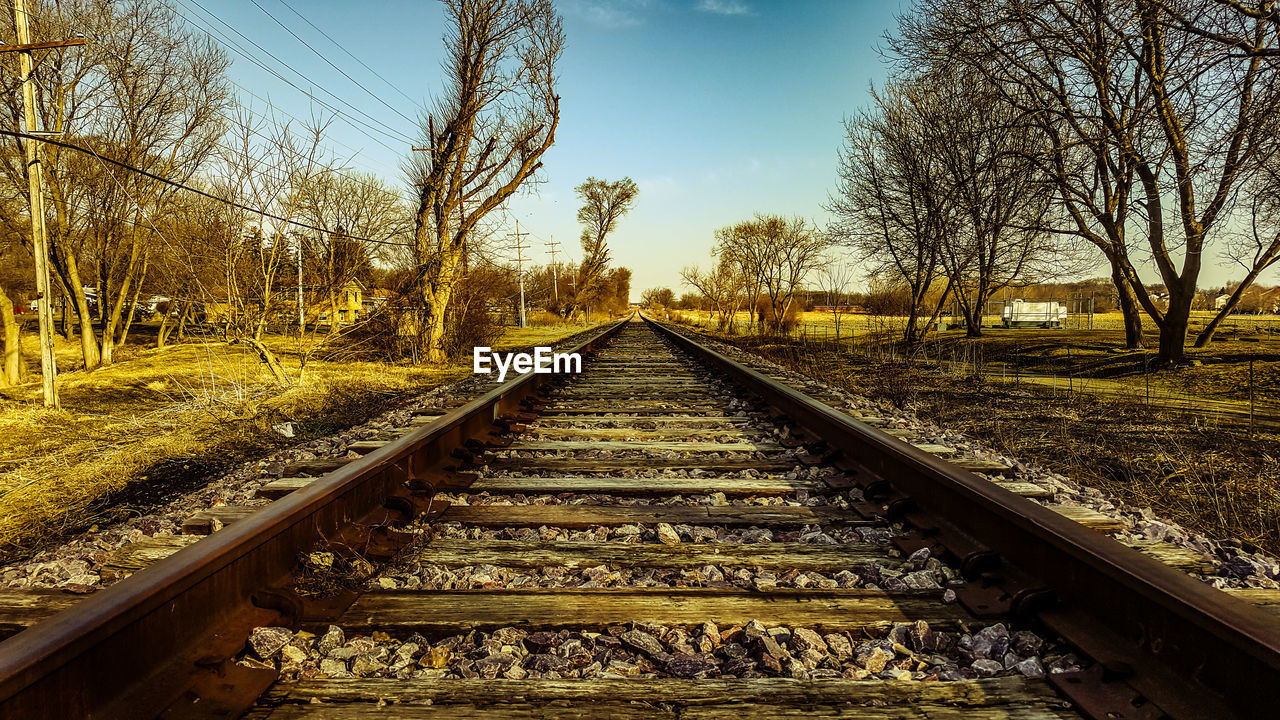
(135, 648)
(1165, 643)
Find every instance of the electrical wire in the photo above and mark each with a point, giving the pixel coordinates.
(348, 52)
(221, 38)
(331, 64)
(188, 188)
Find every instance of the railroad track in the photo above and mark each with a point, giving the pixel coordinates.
(668, 534)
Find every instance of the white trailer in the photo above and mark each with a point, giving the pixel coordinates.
(1021, 313)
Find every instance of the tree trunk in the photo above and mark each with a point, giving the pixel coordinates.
(1173, 329)
(162, 333)
(268, 358)
(437, 292)
(937, 311)
(972, 321)
(1129, 309)
(66, 265)
(113, 315)
(333, 312)
(137, 293)
(12, 371)
(909, 333)
(65, 321)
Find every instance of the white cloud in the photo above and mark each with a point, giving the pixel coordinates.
(724, 7)
(607, 13)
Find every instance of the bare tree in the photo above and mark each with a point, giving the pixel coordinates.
(146, 91)
(1147, 110)
(485, 137)
(659, 298)
(359, 216)
(15, 275)
(776, 254)
(892, 203)
(265, 174)
(834, 278)
(603, 205)
(722, 285)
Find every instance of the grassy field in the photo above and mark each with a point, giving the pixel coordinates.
(168, 417)
(1219, 371)
(862, 325)
(1216, 480)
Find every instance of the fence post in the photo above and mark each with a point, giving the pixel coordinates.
(1146, 376)
(1250, 397)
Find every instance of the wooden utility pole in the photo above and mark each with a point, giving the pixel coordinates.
(555, 277)
(35, 186)
(520, 261)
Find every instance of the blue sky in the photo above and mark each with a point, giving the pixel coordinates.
(717, 108)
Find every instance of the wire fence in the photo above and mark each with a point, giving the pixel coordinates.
(1239, 397)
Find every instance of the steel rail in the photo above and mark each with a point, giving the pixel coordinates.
(1187, 648)
(129, 651)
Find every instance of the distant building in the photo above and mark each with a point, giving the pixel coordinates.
(374, 299)
(350, 298)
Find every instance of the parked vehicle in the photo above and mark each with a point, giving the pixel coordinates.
(1023, 314)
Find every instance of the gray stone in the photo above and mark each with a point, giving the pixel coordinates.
(1029, 668)
(875, 660)
(491, 666)
(545, 663)
(366, 665)
(642, 641)
(803, 639)
(408, 651)
(711, 632)
(687, 665)
(991, 641)
(1026, 643)
(331, 667)
(331, 640)
(737, 667)
(621, 667)
(732, 651)
(343, 653)
(667, 535)
(899, 634)
(986, 667)
(921, 580)
(839, 646)
(540, 641)
(267, 641)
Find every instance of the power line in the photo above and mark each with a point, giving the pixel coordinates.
(188, 188)
(225, 40)
(356, 152)
(331, 63)
(387, 129)
(348, 52)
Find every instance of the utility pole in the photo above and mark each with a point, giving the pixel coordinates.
(520, 260)
(35, 183)
(555, 277)
(302, 317)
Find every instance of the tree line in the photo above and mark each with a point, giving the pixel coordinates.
(166, 192)
(1018, 138)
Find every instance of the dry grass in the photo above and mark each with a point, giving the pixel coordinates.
(169, 417)
(1210, 479)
